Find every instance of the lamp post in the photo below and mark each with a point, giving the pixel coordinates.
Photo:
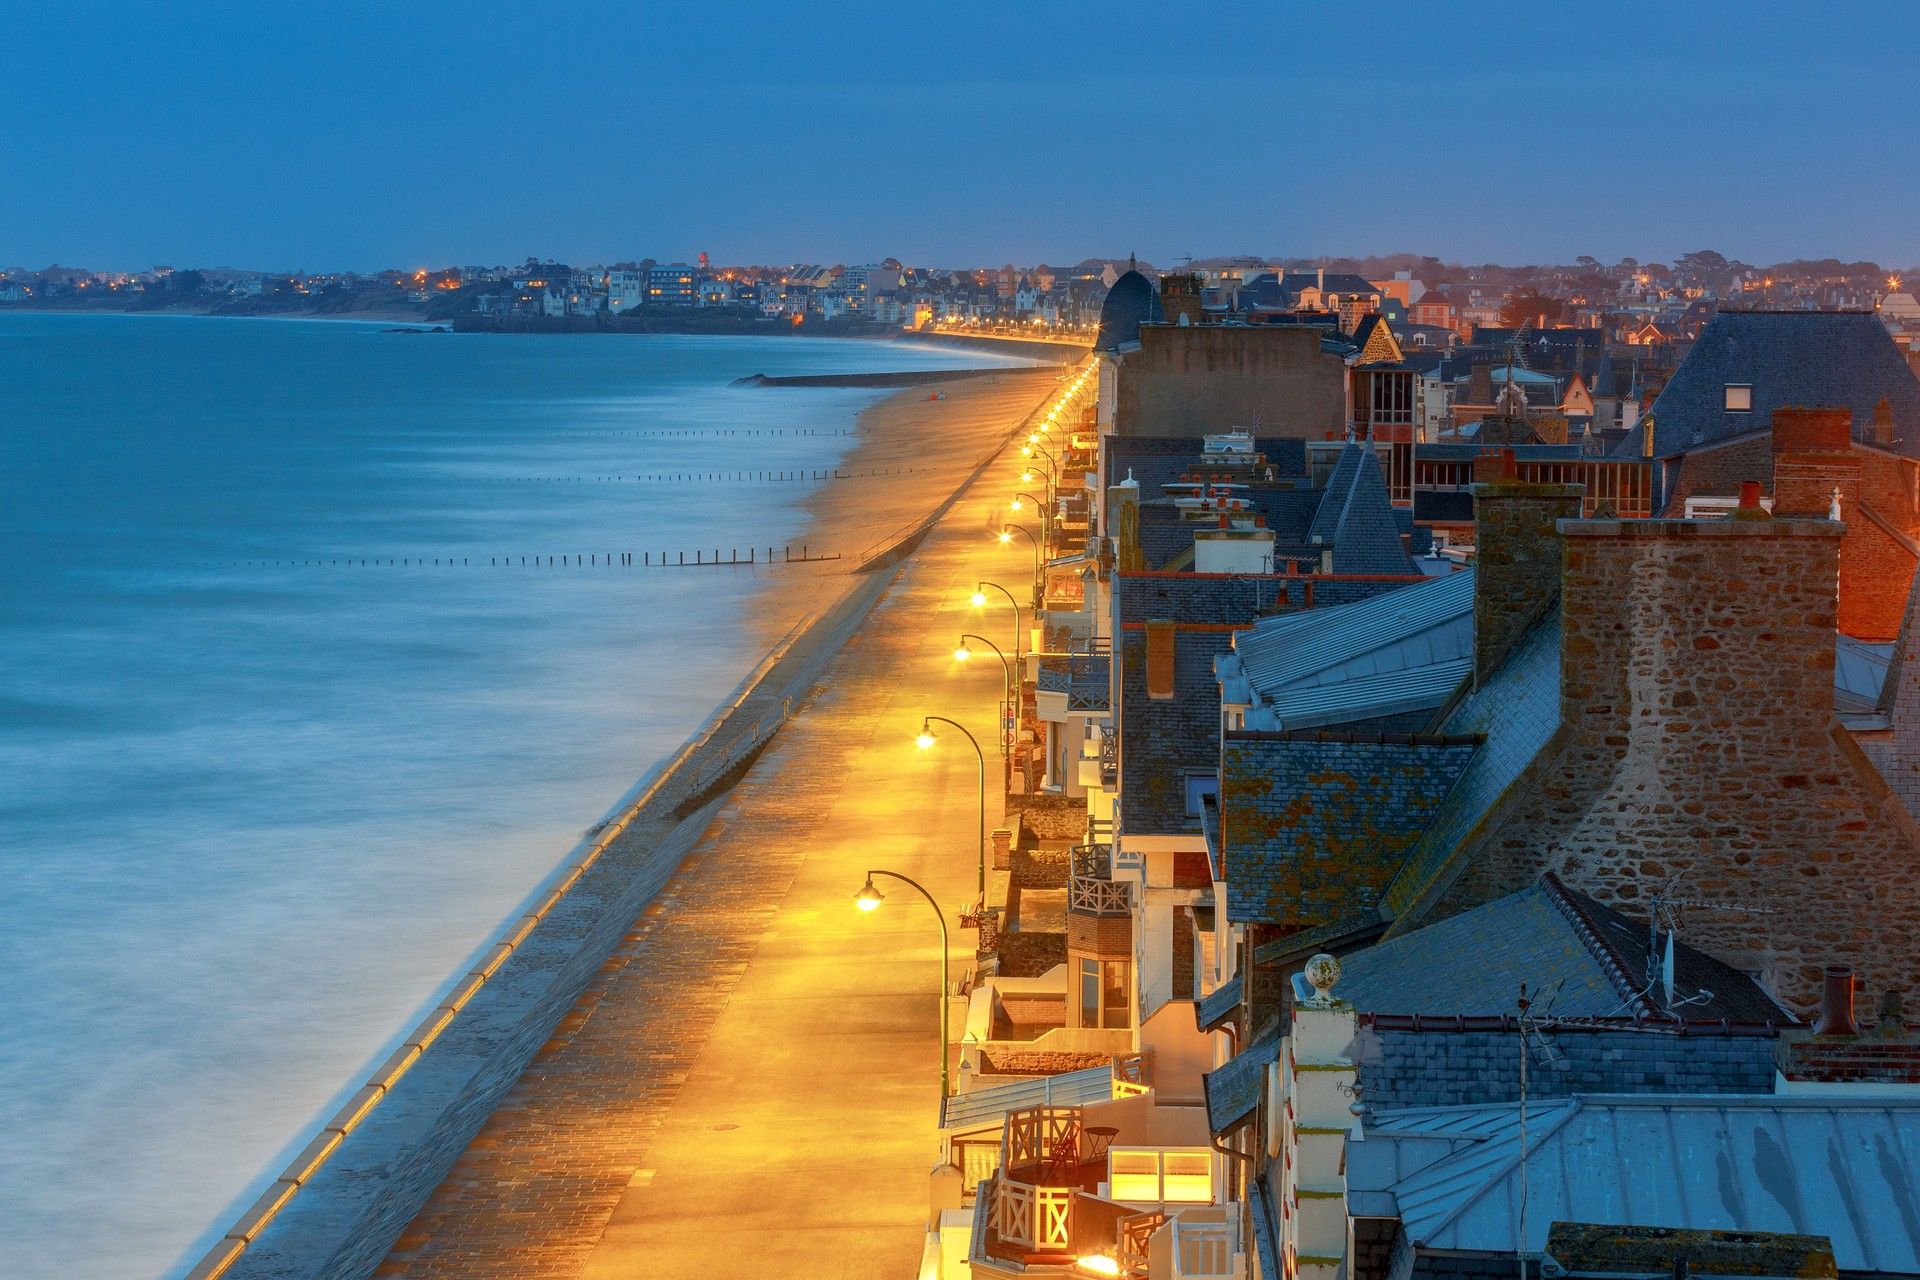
(980, 602)
(1008, 688)
(869, 899)
(1006, 540)
(1044, 508)
(925, 742)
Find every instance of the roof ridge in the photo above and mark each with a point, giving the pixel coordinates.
(1611, 961)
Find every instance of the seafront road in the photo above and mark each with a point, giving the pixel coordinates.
(750, 1085)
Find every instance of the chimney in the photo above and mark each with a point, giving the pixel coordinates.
(1002, 849)
(1836, 1002)
(1159, 658)
(1516, 560)
(1883, 423)
(1480, 383)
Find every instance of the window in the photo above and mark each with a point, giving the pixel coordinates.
(1145, 1176)
(1739, 398)
(1103, 993)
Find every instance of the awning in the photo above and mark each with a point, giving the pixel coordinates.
(1212, 1011)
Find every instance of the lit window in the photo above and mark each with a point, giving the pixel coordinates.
(1739, 398)
(1145, 1176)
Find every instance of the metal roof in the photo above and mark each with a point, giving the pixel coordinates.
(1845, 1168)
(1068, 1089)
(1402, 650)
(1859, 674)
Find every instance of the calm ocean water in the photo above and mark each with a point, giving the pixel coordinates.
(252, 820)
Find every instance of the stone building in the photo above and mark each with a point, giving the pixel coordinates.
(1190, 380)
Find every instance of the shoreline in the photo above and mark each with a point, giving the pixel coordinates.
(418, 1109)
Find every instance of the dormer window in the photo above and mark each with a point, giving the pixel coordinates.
(1739, 398)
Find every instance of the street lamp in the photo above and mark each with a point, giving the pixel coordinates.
(870, 899)
(925, 741)
(963, 653)
(1044, 508)
(980, 602)
(1006, 540)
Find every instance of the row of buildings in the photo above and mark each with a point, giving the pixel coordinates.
(1451, 857)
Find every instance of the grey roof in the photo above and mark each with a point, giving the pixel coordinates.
(1233, 1088)
(1515, 711)
(1214, 1008)
(1068, 1089)
(1366, 537)
(1789, 358)
(1313, 827)
(1582, 959)
(1164, 739)
(1844, 1168)
(1402, 650)
(1132, 301)
(1326, 516)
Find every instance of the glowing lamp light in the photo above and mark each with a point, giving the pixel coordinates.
(869, 899)
(1005, 537)
(962, 653)
(979, 599)
(1015, 504)
(926, 739)
(1026, 451)
(1026, 477)
(1097, 1264)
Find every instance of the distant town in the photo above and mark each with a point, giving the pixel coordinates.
(1431, 304)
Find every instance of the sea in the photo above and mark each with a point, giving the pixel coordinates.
(290, 721)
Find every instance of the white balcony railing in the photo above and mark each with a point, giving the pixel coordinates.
(1031, 1217)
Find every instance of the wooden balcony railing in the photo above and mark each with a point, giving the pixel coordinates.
(1135, 1231)
(1037, 1219)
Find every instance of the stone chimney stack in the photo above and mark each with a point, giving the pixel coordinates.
(1516, 560)
(1480, 383)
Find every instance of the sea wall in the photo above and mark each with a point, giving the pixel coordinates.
(1045, 352)
(336, 1210)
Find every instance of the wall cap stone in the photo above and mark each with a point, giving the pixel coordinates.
(1781, 527)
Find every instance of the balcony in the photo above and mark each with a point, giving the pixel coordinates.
(1091, 889)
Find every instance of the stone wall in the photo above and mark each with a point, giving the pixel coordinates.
(1516, 557)
(1697, 757)
(1400, 1068)
(1188, 381)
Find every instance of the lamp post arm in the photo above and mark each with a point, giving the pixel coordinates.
(941, 919)
(1016, 614)
(981, 757)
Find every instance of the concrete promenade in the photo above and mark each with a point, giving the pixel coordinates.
(750, 1084)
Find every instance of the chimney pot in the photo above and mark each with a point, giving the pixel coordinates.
(1509, 465)
(1223, 519)
(1160, 658)
(1749, 495)
(1836, 1002)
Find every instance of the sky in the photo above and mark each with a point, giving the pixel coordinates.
(278, 135)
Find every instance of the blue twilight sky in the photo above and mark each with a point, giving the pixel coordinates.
(282, 135)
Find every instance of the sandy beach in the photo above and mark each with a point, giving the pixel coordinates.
(929, 446)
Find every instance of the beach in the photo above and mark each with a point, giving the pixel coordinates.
(346, 1198)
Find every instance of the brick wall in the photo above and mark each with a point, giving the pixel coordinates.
(1814, 458)
(1697, 751)
(1110, 937)
(1868, 1059)
(1720, 471)
(1459, 1068)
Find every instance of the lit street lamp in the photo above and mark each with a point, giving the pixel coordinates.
(980, 602)
(869, 899)
(925, 742)
(1006, 540)
(1009, 688)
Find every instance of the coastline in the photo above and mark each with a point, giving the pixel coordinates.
(375, 1159)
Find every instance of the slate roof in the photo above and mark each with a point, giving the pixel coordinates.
(1212, 1010)
(1789, 358)
(1233, 1088)
(1366, 535)
(1515, 712)
(1585, 960)
(1844, 1168)
(1327, 516)
(1402, 650)
(1313, 827)
(1131, 302)
(1443, 506)
(1163, 739)
(1214, 599)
